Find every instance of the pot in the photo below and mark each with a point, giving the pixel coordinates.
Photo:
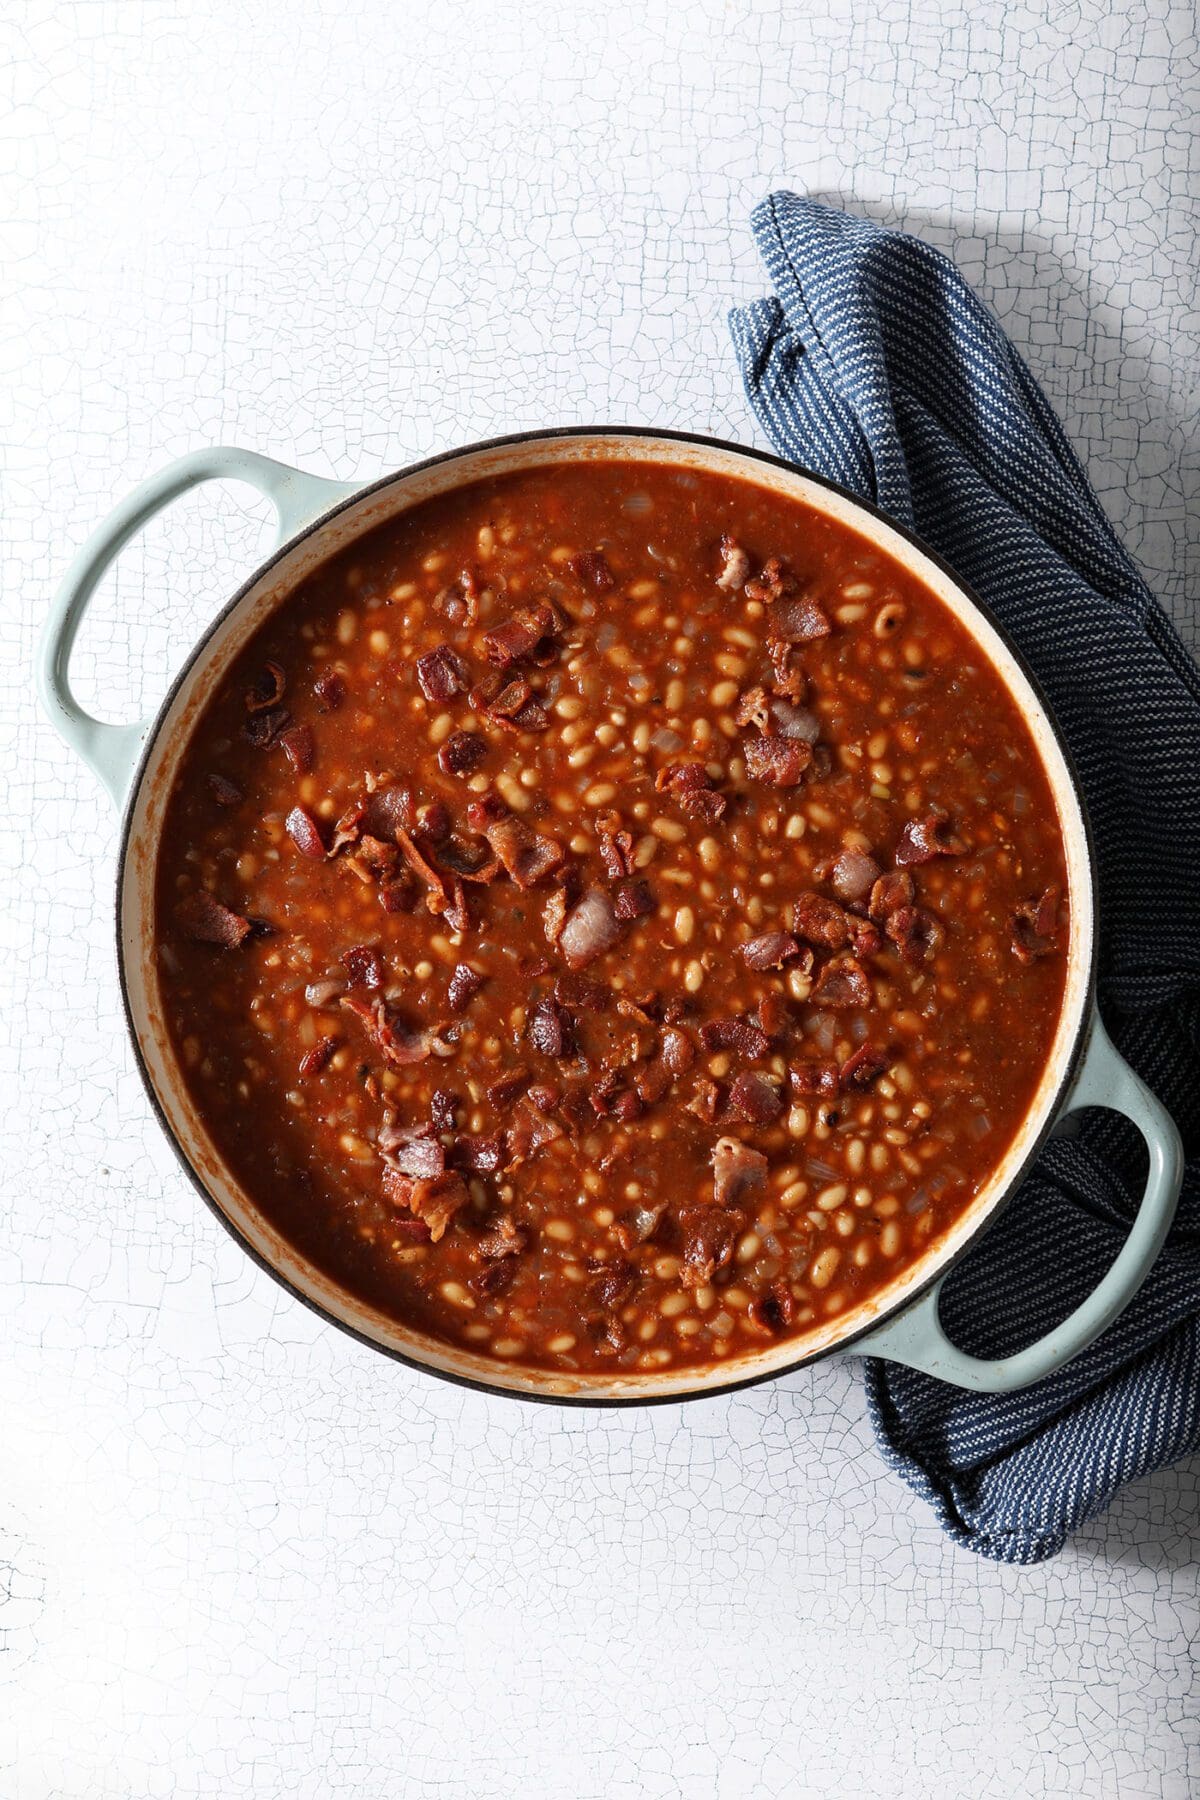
(137, 764)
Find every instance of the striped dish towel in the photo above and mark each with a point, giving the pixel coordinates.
(874, 363)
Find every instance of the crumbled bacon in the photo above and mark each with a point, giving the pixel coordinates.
(737, 1035)
(780, 761)
(462, 753)
(592, 571)
(419, 863)
(527, 634)
(465, 983)
(267, 690)
(633, 900)
(459, 599)
(554, 915)
(1034, 924)
(469, 858)
(402, 1045)
(305, 833)
(510, 1087)
(789, 682)
(820, 921)
(203, 918)
(517, 708)
(223, 791)
(436, 1202)
(773, 1311)
(842, 983)
(433, 822)
(580, 993)
(506, 1238)
(853, 876)
(915, 933)
(442, 673)
(771, 1012)
(380, 860)
(314, 1060)
(770, 951)
(330, 690)
(364, 965)
(693, 787)
(754, 708)
(890, 893)
(479, 1155)
(755, 1098)
(612, 1283)
(299, 746)
(814, 1078)
(415, 1153)
(737, 1170)
(591, 927)
(735, 565)
(493, 1278)
(865, 1066)
(526, 855)
(710, 1235)
(549, 1028)
(865, 938)
(529, 1130)
(705, 1100)
(677, 1051)
(263, 728)
(616, 846)
(923, 839)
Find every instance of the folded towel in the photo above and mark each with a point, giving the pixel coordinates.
(876, 365)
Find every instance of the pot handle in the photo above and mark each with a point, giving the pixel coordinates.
(916, 1338)
(111, 751)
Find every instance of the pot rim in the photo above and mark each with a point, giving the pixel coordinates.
(1087, 991)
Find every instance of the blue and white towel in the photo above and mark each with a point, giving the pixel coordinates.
(875, 364)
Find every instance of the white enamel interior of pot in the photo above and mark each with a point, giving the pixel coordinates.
(144, 825)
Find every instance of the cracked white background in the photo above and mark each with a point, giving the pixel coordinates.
(239, 1554)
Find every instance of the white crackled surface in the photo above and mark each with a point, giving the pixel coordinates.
(240, 1555)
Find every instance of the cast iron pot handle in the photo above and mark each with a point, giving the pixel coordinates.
(916, 1338)
(111, 751)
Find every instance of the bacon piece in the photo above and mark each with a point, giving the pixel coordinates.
(612, 1284)
(549, 1028)
(591, 927)
(479, 1155)
(580, 993)
(779, 761)
(794, 615)
(473, 861)
(814, 1078)
(330, 690)
(633, 900)
(710, 1235)
(754, 708)
(790, 681)
(523, 636)
(554, 915)
(267, 690)
(364, 965)
(380, 860)
(616, 847)
(263, 728)
(465, 983)
(853, 876)
(693, 787)
(889, 894)
(442, 673)
(865, 937)
(842, 983)
(923, 839)
(419, 863)
(820, 921)
(735, 565)
(416, 1153)
(915, 933)
(402, 1045)
(387, 807)
(462, 753)
(773, 1311)
(510, 1087)
(506, 1238)
(314, 1060)
(305, 833)
(706, 1098)
(865, 1066)
(677, 1051)
(204, 919)
(757, 1100)
(527, 856)
(433, 822)
(592, 571)
(530, 1130)
(436, 1203)
(737, 1170)
(771, 1012)
(299, 746)
(770, 951)
(1034, 925)
(737, 1035)
(517, 708)
(223, 791)
(459, 599)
